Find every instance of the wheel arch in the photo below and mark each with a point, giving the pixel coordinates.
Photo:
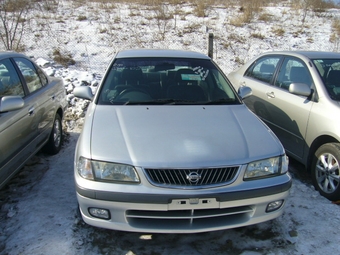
(60, 112)
(319, 141)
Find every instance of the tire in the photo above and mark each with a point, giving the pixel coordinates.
(326, 171)
(53, 145)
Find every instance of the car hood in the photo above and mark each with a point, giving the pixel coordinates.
(180, 136)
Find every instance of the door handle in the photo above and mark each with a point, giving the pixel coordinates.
(270, 94)
(53, 97)
(31, 111)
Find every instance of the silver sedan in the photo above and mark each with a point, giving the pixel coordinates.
(32, 105)
(168, 146)
(297, 94)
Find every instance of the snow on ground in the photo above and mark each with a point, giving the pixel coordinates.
(104, 29)
(39, 217)
(38, 209)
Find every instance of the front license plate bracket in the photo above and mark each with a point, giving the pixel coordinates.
(193, 203)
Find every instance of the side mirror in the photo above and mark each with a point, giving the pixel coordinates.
(300, 89)
(11, 103)
(244, 92)
(84, 92)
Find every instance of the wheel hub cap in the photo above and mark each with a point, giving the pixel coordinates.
(327, 173)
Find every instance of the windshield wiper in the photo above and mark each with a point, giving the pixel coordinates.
(222, 101)
(169, 101)
(166, 101)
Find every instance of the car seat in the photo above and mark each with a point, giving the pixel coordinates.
(299, 74)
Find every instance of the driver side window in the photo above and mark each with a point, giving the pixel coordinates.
(293, 71)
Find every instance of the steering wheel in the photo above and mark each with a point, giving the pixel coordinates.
(129, 90)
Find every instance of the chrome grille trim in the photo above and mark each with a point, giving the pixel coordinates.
(192, 178)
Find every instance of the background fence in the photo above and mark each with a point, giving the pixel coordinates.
(85, 35)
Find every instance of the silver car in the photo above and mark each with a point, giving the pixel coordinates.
(297, 94)
(168, 146)
(32, 105)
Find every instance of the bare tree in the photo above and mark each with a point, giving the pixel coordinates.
(13, 20)
(313, 6)
(163, 17)
(335, 36)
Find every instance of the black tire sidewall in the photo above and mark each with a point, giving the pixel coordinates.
(50, 147)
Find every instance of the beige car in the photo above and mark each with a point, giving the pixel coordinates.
(31, 109)
(297, 94)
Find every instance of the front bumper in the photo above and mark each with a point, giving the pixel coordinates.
(183, 213)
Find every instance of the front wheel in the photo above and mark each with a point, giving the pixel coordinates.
(53, 145)
(325, 171)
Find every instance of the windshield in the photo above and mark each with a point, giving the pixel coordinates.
(165, 81)
(329, 70)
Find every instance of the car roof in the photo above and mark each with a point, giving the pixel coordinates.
(140, 53)
(308, 54)
(9, 54)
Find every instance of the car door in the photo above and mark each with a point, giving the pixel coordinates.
(285, 113)
(41, 97)
(291, 111)
(259, 77)
(15, 126)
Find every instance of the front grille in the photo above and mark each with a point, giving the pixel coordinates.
(192, 177)
(189, 219)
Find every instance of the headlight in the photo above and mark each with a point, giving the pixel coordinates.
(105, 171)
(84, 168)
(267, 167)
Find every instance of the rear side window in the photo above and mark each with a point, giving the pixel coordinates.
(42, 77)
(10, 84)
(329, 71)
(29, 73)
(263, 69)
